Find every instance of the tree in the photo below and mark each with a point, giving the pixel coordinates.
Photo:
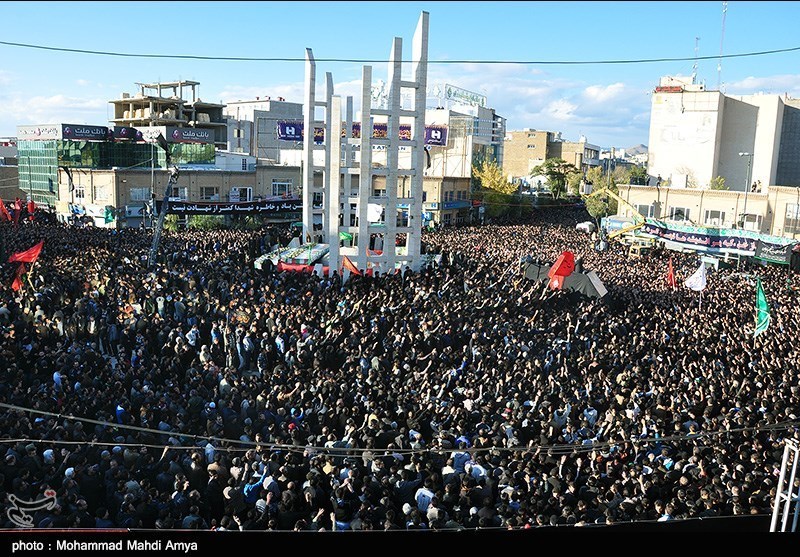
(206, 222)
(557, 172)
(602, 205)
(595, 177)
(638, 175)
(491, 176)
(718, 183)
(171, 223)
(574, 183)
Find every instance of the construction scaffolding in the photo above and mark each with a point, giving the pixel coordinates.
(788, 492)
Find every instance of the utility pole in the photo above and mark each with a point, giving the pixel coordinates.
(173, 179)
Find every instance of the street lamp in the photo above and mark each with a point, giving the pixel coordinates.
(746, 185)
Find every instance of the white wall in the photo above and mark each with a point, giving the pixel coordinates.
(684, 134)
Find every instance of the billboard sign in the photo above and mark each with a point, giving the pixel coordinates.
(38, 132)
(457, 94)
(84, 133)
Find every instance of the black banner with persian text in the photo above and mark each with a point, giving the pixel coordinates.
(231, 208)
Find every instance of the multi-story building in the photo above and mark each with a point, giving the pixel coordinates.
(152, 107)
(8, 150)
(697, 135)
(528, 148)
(131, 191)
(252, 128)
(46, 148)
(774, 211)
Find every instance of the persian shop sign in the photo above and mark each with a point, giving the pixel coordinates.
(38, 132)
(189, 135)
(177, 135)
(89, 133)
(453, 93)
(293, 131)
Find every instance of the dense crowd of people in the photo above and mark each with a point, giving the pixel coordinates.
(215, 396)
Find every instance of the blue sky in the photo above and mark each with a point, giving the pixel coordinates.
(608, 103)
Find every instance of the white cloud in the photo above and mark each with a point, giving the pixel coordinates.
(82, 82)
(776, 84)
(604, 93)
(20, 111)
(561, 109)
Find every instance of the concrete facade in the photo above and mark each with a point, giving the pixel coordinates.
(153, 105)
(525, 149)
(335, 207)
(9, 183)
(775, 211)
(697, 135)
(252, 128)
(130, 190)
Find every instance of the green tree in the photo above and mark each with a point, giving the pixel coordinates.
(638, 175)
(171, 223)
(574, 183)
(718, 183)
(620, 175)
(595, 177)
(557, 172)
(491, 176)
(601, 206)
(206, 222)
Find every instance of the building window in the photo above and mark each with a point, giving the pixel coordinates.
(679, 214)
(281, 186)
(316, 201)
(751, 222)
(79, 193)
(238, 133)
(379, 193)
(139, 194)
(244, 164)
(179, 194)
(531, 146)
(792, 222)
(647, 211)
(448, 196)
(208, 193)
(447, 218)
(714, 218)
(424, 196)
(531, 135)
(102, 193)
(239, 193)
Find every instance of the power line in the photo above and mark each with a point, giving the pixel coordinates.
(384, 61)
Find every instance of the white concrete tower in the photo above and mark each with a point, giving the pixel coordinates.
(340, 164)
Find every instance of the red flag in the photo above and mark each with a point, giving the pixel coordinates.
(31, 209)
(17, 211)
(17, 282)
(4, 211)
(347, 264)
(671, 276)
(29, 255)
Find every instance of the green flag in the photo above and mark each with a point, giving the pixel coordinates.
(345, 236)
(762, 310)
(109, 215)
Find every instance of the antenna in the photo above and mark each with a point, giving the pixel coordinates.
(721, 38)
(694, 66)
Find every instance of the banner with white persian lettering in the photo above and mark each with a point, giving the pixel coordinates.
(265, 207)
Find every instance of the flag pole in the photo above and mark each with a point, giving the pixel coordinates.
(30, 272)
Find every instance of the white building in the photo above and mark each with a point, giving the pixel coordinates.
(252, 128)
(697, 135)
